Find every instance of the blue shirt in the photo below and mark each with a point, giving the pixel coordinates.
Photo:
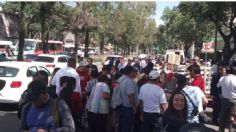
(39, 118)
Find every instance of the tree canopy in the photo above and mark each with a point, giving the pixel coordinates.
(126, 25)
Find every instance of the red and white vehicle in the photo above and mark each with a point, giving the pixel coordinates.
(35, 46)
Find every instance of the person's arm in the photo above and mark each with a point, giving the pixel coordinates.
(163, 107)
(23, 124)
(204, 99)
(78, 87)
(54, 79)
(163, 102)
(66, 120)
(131, 98)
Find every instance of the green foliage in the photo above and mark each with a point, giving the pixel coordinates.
(222, 14)
(127, 25)
(183, 29)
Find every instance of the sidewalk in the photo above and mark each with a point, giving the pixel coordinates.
(208, 112)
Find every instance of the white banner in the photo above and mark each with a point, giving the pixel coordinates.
(208, 47)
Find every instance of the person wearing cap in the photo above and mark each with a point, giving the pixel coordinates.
(83, 74)
(129, 96)
(43, 113)
(196, 95)
(84, 78)
(153, 103)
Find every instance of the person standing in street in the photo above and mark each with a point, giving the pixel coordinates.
(90, 66)
(152, 103)
(67, 71)
(216, 93)
(228, 89)
(193, 93)
(70, 72)
(195, 73)
(43, 113)
(129, 96)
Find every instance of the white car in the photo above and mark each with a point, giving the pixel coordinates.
(51, 61)
(14, 79)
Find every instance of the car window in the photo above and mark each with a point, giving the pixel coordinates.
(31, 71)
(29, 56)
(62, 59)
(44, 69)
(44, 59)
(8, 71)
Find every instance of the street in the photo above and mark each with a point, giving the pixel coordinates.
(10, 123)
(8, 118)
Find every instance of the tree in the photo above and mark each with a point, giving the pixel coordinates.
(184, 30)
(83, 22)
(222, 14)
(22, 31)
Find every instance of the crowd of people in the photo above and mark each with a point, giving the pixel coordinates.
(126, 97)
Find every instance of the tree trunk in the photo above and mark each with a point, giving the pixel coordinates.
(102, 43)
(76, 45)
(86, 55)
(226, 51)
(22, 31)
(43, 28)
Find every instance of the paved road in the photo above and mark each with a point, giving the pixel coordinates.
(8, 119)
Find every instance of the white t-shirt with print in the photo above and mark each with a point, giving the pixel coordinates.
(152, 96)
(196, 94)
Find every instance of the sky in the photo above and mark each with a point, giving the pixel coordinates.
(161, 5)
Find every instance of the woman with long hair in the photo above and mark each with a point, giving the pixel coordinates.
(176, 114)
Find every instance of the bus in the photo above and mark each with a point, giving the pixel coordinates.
(35, 46)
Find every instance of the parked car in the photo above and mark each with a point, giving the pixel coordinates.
(114, 58)
(51, 61)
(14, 79)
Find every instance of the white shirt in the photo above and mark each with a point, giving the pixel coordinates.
(228, 86)
(152, 96)
(196, 94)
(68, 71)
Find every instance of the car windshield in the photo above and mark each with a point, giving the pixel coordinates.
(29, 45)
(44, 59)
(8, 71)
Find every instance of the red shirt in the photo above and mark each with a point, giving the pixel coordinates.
(199, 82)
(84, 78)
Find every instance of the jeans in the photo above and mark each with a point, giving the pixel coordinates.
(152, 122)
(126, 119)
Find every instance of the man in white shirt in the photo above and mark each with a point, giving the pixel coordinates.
(228, 89)
(152, 103)
(67, 71)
